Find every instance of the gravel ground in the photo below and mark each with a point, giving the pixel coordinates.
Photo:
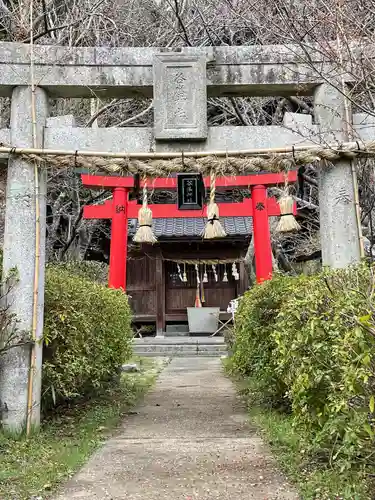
(190, 439)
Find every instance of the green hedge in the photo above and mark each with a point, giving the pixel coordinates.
(87, 335)
(309, 343)
(90, 269)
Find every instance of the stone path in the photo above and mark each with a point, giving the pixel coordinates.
(190, 440)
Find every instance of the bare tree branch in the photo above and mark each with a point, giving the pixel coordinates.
(132, 118)
(101, 111)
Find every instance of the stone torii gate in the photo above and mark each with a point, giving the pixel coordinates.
(179, 83)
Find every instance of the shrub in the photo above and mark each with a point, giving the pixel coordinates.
(254, 345)
(312, 339)
(87, 335)
(90, 269)
(326, 360)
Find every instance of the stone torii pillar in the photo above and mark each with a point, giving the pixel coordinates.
(19, 253)
(338, 219)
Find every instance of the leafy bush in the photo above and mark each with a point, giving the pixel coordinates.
(90, 269)
(310, 341)
(254, 344)
(87, 335)
(326, 359)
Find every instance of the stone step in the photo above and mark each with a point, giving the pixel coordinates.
(178, 354)
(177, 334)
(180, 346)
(163, 340)
(177, 331)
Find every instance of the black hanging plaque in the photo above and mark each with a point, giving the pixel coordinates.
(190, 191)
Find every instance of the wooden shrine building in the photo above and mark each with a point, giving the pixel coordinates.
(162, 280)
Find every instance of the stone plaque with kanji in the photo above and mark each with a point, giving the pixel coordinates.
(180, 97)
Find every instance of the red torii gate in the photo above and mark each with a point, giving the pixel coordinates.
(120, 209)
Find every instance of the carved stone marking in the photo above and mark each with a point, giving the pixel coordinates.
(343, 196)
(180, 114)
(180, 97)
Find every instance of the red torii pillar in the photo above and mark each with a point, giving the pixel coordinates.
(119, 238)
(261, 233)
(119, 210)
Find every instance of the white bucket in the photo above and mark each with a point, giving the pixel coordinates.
(203, 319)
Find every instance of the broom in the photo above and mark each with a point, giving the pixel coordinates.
(213, 228)
(287, 222)
(203, 299)
(198, 302)
(144, 232)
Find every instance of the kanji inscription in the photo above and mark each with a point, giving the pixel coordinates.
(179, 110)
(119, 209)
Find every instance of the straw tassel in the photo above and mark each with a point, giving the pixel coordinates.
(287, 222)
(213, 228)
(144, 232)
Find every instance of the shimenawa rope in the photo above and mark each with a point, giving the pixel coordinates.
(239, 163)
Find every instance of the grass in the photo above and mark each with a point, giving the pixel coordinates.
(313, 478)
(37, 465)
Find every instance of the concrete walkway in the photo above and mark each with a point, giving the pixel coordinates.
(189, 440)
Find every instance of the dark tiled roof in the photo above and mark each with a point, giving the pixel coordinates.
(191, 227)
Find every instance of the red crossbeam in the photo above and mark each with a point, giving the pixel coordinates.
(244, 209)
(102, 181)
